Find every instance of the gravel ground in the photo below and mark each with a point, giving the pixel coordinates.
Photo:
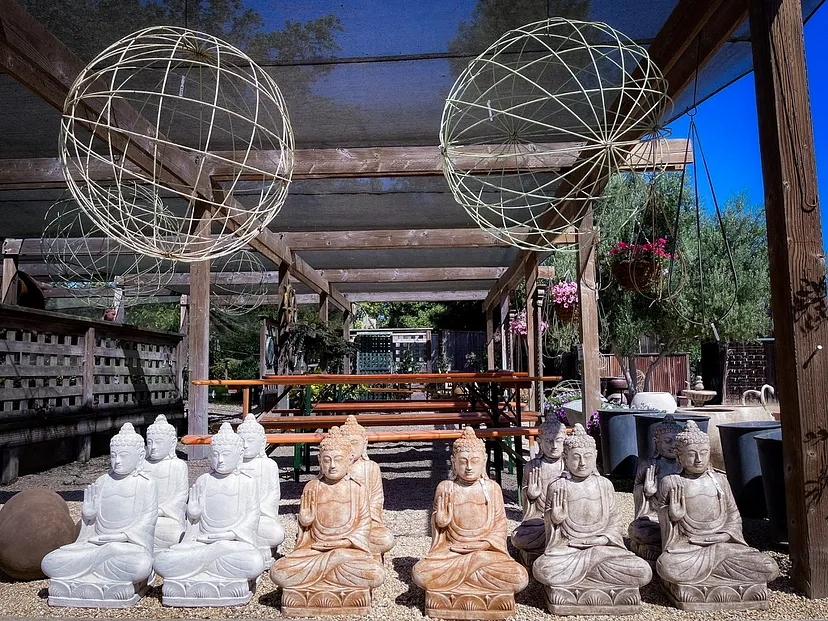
(411, 472)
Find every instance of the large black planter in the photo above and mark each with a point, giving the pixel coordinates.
(619, 449)
(741, 459)
(769, 445)
(644, 422)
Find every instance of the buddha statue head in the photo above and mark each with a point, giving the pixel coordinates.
(551, 438)
(252, 434)
(336, 454)
(664, 437)
(358, 436)
(580, 453)
(161, 439)
(693, 448)
(468, 457)
(126, 451)
(226, 450)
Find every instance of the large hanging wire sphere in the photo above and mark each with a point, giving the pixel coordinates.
(176, 109)
(240, 285)
(533, 126)
(93, 267)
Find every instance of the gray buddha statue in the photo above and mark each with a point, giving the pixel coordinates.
(368, 473)
(109, 564)
(171, 478)
(644, 531)
(468, 572)
(586, 569)
(265, 472)
(332, 569)
(530, 536)
(218, 561)
(705, 563)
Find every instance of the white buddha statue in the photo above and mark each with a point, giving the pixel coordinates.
(171, 480)
(265, 472)
(218, 561)
(111, 561)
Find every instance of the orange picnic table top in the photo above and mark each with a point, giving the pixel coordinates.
(378, 420)
(392, 378)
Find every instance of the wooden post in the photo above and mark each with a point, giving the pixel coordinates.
(11, 250)
(9, 464)
(797, 270)
(89, 368)
(588, 303)
(347, 320)
(323, 308)
(490, 345)
(118, 305)
(504, 330)
(83, 448)
(533, 330)
(183, 329)
(263, 347)
(282, 337)
(199, 346)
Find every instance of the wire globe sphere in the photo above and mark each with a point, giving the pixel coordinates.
(93, 268)
(240, 284)
(535, 125)
(194, 119)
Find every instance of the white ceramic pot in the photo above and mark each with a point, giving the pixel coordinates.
(663, 401)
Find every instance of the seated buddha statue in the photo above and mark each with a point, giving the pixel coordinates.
(109, 564)
(530, 536)
(172, 481)
(468, 573)
(705, 563)
(265, 472)
(368, 473)
(644, 531)
(585, 567)
(332, 568)
(218, 561)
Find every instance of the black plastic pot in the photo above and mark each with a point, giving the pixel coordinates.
(742, 464)
(644, 422)
(619, 449)
(769, 445)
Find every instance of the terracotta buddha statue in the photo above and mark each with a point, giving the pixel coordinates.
(468, 573)
(218, 561)
(171, 480)
(265, 472)
(645, 532)
(109, 564)
(530, 536)
(705, 563)
(586, 567)
(332, 569)
(368, 473)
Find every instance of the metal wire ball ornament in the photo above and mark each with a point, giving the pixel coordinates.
(94, 268)
(240, 285)
(535, 125)
(192, 117)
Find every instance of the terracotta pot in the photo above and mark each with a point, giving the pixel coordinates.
(566, 315)
(636, 274)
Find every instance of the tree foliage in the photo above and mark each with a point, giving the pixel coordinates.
(435, 315)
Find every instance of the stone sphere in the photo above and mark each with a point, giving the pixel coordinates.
(193, 119)
(32, 524)
(535, 125)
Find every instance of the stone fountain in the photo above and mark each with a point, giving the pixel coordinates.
(698, 395)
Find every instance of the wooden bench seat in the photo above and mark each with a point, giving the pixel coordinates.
(388, 406)
(391, 420)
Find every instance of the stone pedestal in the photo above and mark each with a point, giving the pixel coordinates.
(195, 592)
(716, 594)
(481, 605)
(95, 594)
(592, 600)
(310, 602)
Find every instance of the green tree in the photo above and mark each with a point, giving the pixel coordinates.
(435, 315)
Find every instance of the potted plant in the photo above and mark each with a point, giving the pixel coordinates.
(638, 266)
(564, 299)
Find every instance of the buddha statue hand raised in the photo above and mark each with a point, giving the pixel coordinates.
(110, 563)
(468, 573)
(585, 567)
(218, 562)
(706, 563)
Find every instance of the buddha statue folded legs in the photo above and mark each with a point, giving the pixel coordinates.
(111, 561)
(705, 563)
(218, 562)
(468, 573)
(585, 568)
(171, 480)
(332, 569)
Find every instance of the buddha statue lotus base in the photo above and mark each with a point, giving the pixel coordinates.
(325, 602)
(97, 594)
(648, 552)
(195, 593)
(479, 605)
(718, 595)
(593, 599)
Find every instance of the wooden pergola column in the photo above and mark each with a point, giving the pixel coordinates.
(199, 346)
(588, 305)
(490, 344)
(11, 251)
(504, 330)
(534, 347)
(797, 274)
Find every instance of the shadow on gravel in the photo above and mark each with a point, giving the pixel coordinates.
(414, 597)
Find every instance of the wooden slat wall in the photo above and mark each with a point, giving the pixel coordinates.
(671, 375)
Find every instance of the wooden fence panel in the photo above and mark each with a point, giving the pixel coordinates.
(671, 375)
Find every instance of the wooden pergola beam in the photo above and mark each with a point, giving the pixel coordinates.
(36, 173)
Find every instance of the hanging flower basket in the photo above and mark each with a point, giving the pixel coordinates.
(564, 297)
(638, 267)
(566, 314)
